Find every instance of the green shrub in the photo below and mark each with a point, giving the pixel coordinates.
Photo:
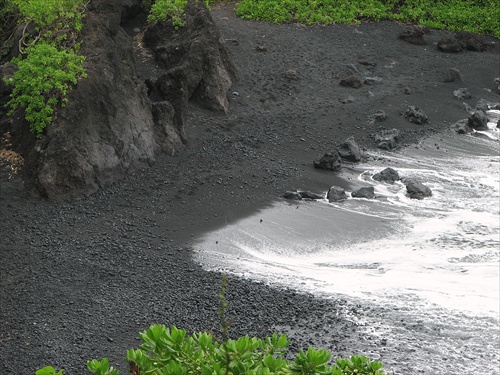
(49, 65)
(48, 370)
(175, 10)
(42, 81)
(171, 351)
(161, 10)
(50, 13)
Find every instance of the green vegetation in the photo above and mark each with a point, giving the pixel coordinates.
(170, 351)
(175, 10)
(162, 10)
(42, 81)
(165, 351)
(478, 16)
(49, 64)
(49, 370)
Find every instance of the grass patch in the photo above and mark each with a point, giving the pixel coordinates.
(477, 16)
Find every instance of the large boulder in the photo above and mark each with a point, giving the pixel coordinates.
(414, 35)
(415, 189)
(389, 175)
(388, 139)
(450, 45)
(472, 42)
(367, 192)
(302, 194)
(330, 161)
(478, 121)
(350, 150)
(415, 115)
(462, 126)
(336, 194)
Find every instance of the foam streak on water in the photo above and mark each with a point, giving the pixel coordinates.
(433, 258)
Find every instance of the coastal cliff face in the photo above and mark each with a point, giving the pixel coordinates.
(117, 121)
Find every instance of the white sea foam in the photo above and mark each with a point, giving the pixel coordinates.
(437, 259)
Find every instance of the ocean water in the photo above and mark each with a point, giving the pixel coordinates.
(435, 261)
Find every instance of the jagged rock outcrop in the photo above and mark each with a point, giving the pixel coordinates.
(113, 124)
(194, 58)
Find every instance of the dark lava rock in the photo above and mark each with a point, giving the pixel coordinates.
(352, 81)
(350, 150)
(462, 127)
(472, 42)
(478, 121)
(415, 115)
(462, 94)
(368, 63)
(198, 65)
(292, 195)
(388, 139)
(336, 194)
(414, 35)
(450, 45)
(380, 115)
(387, 175)
(452, 75)
(364, 192)
(292, 75)
(306, 194)
(121, 125)
(329, 161)
(6, 73)
(348, 100)
(415, 189)
(302, 194)
(484, 105)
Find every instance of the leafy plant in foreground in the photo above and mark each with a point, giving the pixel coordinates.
(49, 370)
(169, 351)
